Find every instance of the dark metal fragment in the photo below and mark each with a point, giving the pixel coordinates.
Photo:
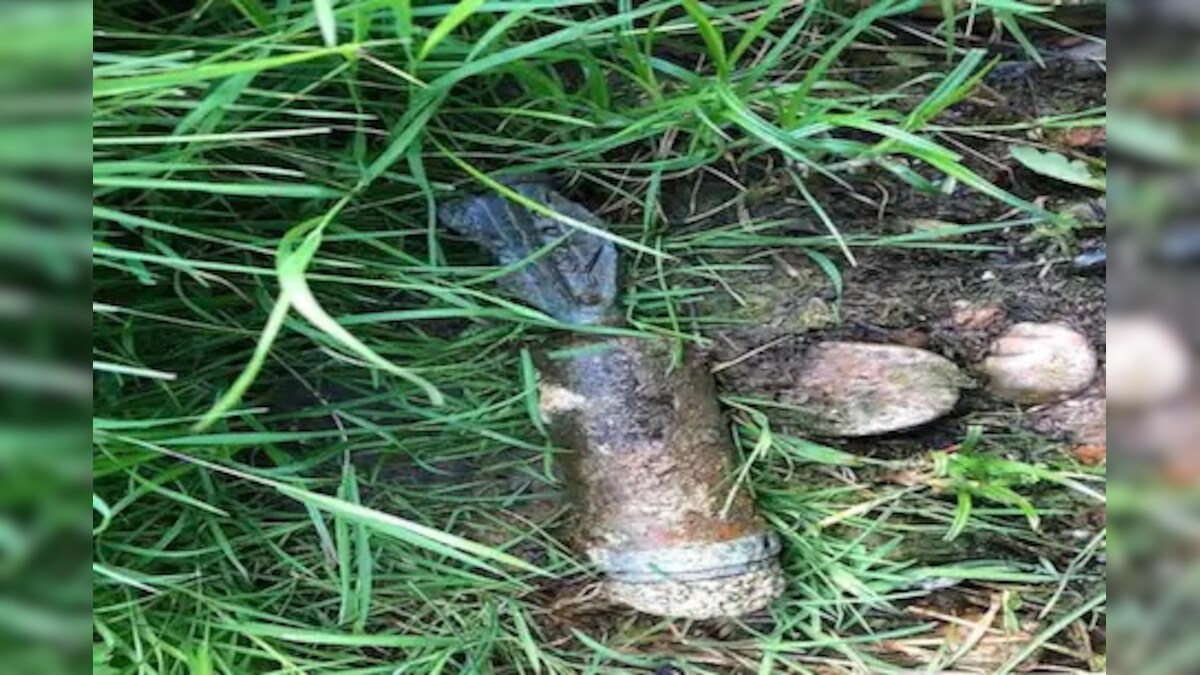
(574, 274)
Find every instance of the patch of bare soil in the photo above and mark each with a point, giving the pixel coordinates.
(950, 302)
(919, 299)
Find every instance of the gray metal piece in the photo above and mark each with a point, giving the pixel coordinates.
(689, 563)
(565, 272)
(704, 598)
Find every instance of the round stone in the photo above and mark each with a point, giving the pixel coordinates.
(1035, 363)
(852, 389)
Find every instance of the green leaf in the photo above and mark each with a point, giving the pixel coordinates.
(295, 253)
(1056, 166)
(326, 21)
(713, 40)
(428, 538)
(457, 14)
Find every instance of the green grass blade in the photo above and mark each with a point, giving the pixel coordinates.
(326, 21)
(249, 373)
(211, 71)
(460, 12)
(428, 538)
(296, 251)
(713, 40)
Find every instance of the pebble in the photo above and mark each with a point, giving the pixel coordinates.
(975, 317)
(1035, 363)
(1148, 362)
(1093, 260)
(1083, 420)
(854, 389)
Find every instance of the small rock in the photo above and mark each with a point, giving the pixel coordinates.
(855, 389)
(1085, 137)
(1148, 362)
(1091, 260)
(968, 316)
(1082, 420)
(1039, 363)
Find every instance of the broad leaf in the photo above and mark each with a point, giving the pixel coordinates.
(1056, 166)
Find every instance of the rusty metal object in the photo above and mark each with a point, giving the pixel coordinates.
(652, 460)
(651, 478)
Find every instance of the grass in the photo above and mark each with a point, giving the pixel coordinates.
(314, 444)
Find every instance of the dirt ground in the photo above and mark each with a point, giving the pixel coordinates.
(912, 297)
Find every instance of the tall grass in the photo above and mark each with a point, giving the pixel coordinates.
(315, 449)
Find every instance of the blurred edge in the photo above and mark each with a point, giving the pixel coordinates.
(1154, 330)
(45, 589)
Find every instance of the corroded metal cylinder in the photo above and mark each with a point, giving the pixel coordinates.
(652, 456)
(651, 475)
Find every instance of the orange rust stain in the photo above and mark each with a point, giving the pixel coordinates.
(1090, 455)
(725, 530)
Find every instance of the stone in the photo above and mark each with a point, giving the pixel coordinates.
(852, 389)
(1082, 420)
(975, 317)
(1148, 362)
(1033, 363)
